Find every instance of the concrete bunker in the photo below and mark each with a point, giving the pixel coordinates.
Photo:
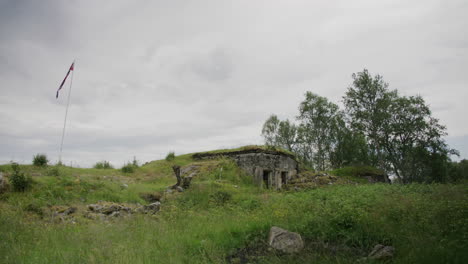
(269, 168)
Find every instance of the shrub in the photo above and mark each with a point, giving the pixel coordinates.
(128, 168)
(103, 165)
(220, 197)
(53, 171)
(135, 162)
(18, 180)
(170, 156)
(40, 160)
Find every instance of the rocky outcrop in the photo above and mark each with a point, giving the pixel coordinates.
(105, 211)
(381, 252)
(149, 209)
(284, 240)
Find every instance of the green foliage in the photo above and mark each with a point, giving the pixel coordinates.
(220, 197)
(318, 130)
(170, 156)
(339, 224)
(397, 134)
(103, 165)
(128, 168)
(404, 137)
(40, 160)
(279, 133)
(458, 171)
(357, 171)
(18, 179)
(53, 171)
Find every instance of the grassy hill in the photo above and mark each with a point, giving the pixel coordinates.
(224, 218)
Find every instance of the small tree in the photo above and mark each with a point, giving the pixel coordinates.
(128, 168)
(18, 180)
(135, 162)
(40, 160)
(170, 156)
(103, 165)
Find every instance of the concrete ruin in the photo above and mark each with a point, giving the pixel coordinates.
(269, 168)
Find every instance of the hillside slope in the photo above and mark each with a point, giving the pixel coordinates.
(223, 218)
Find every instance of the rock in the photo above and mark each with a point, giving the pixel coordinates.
(285, 241)
(69, 210)
(124, 186)
(169, 190)
(115, 214)
(381, 252)
(179, 189)
(110, 209)
(151, 197)
(95, 207)
(150, 209)
(186, 181)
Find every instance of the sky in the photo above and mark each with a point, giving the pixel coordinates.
(187, 76)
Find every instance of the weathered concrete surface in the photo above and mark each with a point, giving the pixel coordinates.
(270, 169)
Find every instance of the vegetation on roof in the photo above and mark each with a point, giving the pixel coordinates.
(245, 149)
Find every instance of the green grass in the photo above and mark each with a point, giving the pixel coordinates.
(425, 223)
(251, 147)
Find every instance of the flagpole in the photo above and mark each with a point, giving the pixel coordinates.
(66, 114)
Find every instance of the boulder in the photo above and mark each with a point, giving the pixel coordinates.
(69, 210)
(284, 240)
(97, 208)
(150, 209)
(381, 252)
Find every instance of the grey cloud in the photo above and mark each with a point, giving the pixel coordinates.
(155, 76)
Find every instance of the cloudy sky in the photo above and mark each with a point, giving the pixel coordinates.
(186, 76)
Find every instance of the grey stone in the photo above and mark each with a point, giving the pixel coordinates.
(150, 209)
(95, 208)
(70, 211)
(284, 240)
(115, 214)
(179, 189)
(381, 252)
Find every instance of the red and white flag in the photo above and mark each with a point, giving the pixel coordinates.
(66, 76)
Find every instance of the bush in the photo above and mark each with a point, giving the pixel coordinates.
(221, 197)
(18, 180)
(53, 171)
(170, 156)
(40, 160)
(128, 168)
(103, 165)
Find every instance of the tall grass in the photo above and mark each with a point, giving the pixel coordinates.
(221, 214)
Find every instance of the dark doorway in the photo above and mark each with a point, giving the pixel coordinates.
(266, 178)
(284, 177)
